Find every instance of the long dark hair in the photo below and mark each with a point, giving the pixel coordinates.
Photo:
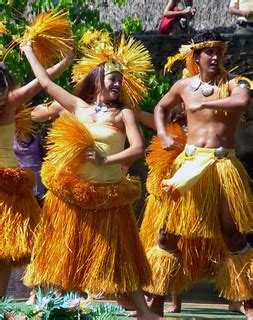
(5, 77)
(92, 84)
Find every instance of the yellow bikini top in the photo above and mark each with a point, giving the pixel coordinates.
(7, 155)
(109, 140)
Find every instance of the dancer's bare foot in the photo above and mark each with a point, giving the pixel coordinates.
(236, 306)
(32, 298)
(248, 306)
(157, 305)
(176, 305)
(125, 301)
(149, 316)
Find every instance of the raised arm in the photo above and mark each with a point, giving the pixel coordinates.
(65, 99)
(25, 93)
(43, 112)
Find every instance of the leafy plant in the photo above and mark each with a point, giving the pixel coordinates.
(131, 24)
(5, 306)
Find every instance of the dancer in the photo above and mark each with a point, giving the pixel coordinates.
(19, 209)
(202, 190)
(88, 238)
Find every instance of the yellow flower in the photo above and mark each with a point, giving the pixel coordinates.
(2, 27)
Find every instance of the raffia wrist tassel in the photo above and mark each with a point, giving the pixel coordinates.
(66, 143)
(50, 34)
(169, 275)
(159, 160)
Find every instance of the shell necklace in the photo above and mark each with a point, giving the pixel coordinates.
(102, 107)
(206, 88)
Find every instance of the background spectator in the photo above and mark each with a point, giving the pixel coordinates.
(177, 15)
(244, 10)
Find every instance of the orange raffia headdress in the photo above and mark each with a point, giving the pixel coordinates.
(50, 34)
(125, 55)
(186, 54)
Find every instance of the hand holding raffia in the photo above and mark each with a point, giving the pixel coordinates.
(24, 124)
(98, 47)
(51, 36)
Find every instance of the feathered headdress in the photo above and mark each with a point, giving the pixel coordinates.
(127, 55)
(186, 54)
(50, 34)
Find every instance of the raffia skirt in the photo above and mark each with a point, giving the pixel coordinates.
(88, 239)
(19, 214)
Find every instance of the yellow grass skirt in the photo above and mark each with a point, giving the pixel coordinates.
(19, 214)
(235, 277)
(92, 245)
(197, 259)
(196, 214)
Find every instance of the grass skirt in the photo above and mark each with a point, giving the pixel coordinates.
(93, 247)
(197, 259)
(19, 214)
(196, 214)
(235, 277)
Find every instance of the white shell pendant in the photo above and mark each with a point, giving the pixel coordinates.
(207, 89)
(195, 83)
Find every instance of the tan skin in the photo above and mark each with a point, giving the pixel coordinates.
(241, 13)
(123, 119)
(9, 103)
(206, 128)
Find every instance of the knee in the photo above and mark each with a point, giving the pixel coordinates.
(167, 241)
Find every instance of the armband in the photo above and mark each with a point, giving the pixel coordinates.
(244, 82)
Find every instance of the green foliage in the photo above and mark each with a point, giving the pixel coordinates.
(5, 306)
(159, 86)
(50, 305)
(131, 24)
(120, 2)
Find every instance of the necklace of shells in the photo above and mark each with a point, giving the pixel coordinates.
(206, 88)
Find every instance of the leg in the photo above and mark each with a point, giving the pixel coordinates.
(176, 304)
(169, 243)
(235, 242)
(5, 272)
(32, 298)
(143, 310)
(236, 306)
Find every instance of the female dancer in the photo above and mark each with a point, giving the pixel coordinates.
(19, 209)
(88, 239)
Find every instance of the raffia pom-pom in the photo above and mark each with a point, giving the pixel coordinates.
(51, 35)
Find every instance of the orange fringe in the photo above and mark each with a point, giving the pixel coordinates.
(95, 250)
(234, 277)
(19, 214)
(50, 34)
(169, 276)
(159, 161)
